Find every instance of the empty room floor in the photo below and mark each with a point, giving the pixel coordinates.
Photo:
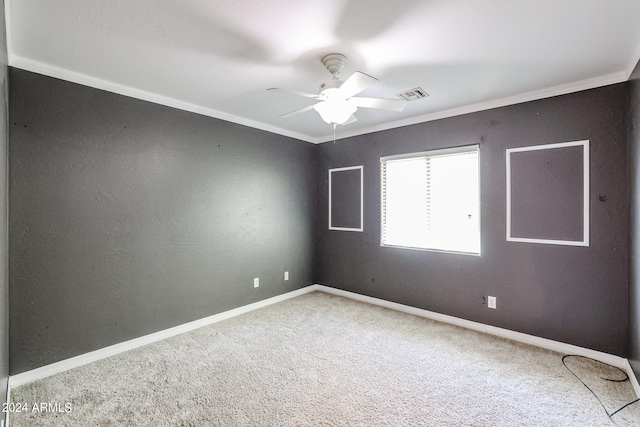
(321, 359)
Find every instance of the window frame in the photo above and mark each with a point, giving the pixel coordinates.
(434, 153)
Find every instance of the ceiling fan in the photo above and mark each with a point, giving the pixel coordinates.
(337, 101)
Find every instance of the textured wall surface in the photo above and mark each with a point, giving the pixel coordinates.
(4, 230)
(634, 191)
(129, 217)
(575, 295)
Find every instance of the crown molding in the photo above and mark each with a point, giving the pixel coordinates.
(564, 89)
(635, 58)
(83, 79)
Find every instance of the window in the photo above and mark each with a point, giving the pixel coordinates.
(431, 200)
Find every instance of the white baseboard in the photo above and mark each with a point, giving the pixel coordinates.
(633, 378)
(83, 359)
(548, 344)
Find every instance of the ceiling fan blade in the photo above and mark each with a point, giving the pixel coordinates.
(355, 84)
(352, 119)
(296, 112)
(381, 103)
(294, 92)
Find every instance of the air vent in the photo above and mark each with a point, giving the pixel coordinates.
(413, 94)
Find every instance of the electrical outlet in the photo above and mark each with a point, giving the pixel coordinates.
(256, 282)
(286, 275)
(491, 302)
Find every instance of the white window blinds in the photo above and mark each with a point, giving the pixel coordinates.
(432, 200)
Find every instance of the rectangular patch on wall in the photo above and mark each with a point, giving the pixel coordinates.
(548, 194)
(345, 199)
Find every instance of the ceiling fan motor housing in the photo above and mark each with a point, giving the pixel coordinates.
(329, 87)
(336, 105)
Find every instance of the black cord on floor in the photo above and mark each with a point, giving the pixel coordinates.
(626, 378)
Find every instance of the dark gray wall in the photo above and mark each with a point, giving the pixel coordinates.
(4, 227)
(634, 234)
(129, 217)
(575, 295)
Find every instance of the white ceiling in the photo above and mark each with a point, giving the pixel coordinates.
(218, 57)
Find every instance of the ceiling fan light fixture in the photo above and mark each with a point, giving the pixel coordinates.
(335, 112)
(337, 98)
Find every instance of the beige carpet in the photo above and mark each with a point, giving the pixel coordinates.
(322, 360)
